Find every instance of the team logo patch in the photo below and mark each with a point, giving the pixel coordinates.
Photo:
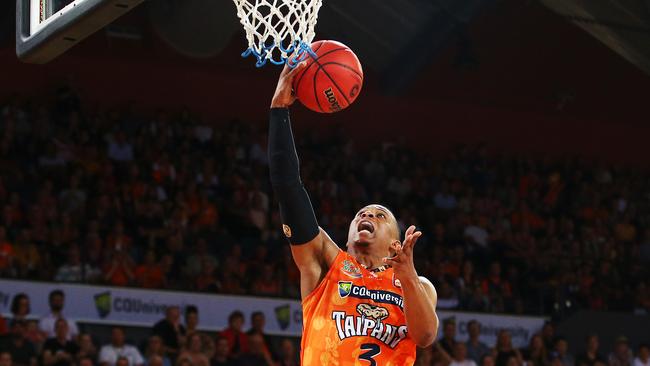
(350, 269)
(287, 230)
(373, 312)
(344, 288)
(347, 288)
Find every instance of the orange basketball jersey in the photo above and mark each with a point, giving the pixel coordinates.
(355, 317)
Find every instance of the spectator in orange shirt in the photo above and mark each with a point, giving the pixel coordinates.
(149, 274)
(119, 272)
(237, 339)
(207, 215)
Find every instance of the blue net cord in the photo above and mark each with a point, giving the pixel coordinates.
(298, 51)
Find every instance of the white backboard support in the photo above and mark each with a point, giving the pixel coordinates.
(47, 28)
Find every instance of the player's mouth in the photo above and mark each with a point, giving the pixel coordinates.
(366, 225)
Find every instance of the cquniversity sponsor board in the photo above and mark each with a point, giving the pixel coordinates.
(522, 328)
(136, 307)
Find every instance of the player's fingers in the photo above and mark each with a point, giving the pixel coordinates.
(292, 73)
(408, 246)
(409, 231)
(391, 261)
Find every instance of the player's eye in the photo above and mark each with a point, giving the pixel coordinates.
(381, 215)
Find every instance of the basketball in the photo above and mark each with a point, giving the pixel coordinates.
(332, 80)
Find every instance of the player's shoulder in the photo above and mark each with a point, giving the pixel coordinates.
(429, 286)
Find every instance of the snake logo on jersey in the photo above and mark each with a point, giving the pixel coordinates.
(369, 324)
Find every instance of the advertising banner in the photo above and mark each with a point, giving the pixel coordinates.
(143, 308)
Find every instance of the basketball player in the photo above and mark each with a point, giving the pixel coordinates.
(366, 306)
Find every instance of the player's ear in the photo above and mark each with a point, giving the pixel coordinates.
(393, 247)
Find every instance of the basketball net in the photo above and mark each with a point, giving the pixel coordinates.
(278, 31)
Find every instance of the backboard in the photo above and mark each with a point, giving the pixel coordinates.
(47, 28)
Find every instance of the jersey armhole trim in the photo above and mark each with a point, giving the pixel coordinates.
(322, 283)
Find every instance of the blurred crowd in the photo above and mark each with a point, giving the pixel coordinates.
(167, 200)
(176, 340)
(56, 340)
(545, 348)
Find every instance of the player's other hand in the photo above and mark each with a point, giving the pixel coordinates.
(402, 261)
(284, 95)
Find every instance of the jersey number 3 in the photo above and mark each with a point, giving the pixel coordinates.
(372, 350)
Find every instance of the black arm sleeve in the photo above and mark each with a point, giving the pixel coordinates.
(299, 222)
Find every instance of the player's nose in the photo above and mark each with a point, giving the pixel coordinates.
(367, 214)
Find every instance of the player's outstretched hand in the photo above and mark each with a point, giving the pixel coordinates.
(284, 95)
(402, 262)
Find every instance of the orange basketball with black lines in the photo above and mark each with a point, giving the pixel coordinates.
(331, 80)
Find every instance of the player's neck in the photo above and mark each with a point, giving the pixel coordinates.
(368, 260)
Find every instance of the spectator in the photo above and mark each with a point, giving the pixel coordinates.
(6, 254)
(28, 258)
(504, 350)
(643, 356)
(198, 259)
(86, 361)
(48, 322)
(288, 355)
(23, 352)
(122, 361)
(256, 355)
(87, 348)
(119, 271)
(258, 321)
(34, 334)
(448, 340)
(487, 360)
(155, 352)
(20, 307)
(149, 274)
(194, 351)
(222, 353)
(5, 359)
(207, 281)
(475, 348)
(237, 340)
(496, 287)
(171, 331)
(536, 354)
(119, 149)
(548, 335)
(110, 353)
(622, 355)
(191, 327)
(156, 360)
(591, 356)
(59, 350)
(75, 271)
(460, 356)
(561, 352)
(424, 357)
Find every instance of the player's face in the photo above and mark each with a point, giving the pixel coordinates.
(373, 224)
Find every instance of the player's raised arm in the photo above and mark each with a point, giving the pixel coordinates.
(312, 249)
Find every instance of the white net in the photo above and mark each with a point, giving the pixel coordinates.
(278, 31)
